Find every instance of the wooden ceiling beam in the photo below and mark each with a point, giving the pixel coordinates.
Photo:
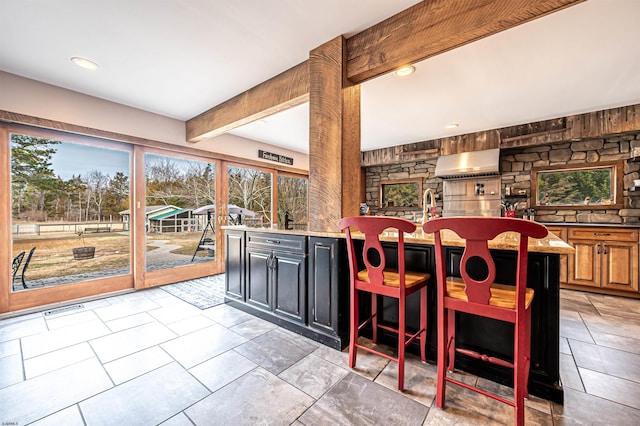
(429, 28)
(281, 92)
(432, 27)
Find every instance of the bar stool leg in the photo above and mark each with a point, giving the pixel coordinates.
(353, 338)
(451, 338)
(374, 318)
(442, 358)
(402, 338)
(423, 324)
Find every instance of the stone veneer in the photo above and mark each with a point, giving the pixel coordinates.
(516, 165)
(408, 170)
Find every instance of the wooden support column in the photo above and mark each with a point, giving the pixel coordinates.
(334, 138)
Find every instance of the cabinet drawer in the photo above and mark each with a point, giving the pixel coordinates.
(606, 234)
(282, 242)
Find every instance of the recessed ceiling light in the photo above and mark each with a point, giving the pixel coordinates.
(260, 123)
(452, 126)
(84, 63)
(405, 71)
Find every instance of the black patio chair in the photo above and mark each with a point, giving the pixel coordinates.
(15, 265)
(24, 268)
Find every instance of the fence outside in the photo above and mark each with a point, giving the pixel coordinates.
(50, 228)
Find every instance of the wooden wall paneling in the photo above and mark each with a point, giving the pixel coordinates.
(542, 138)
(436, 26)
(621, 120)
(378, 156)
(477, 141)
(329, 141)
(283, 91)
(535, 128)
(5, 225)
(631, 118)
(612, 120)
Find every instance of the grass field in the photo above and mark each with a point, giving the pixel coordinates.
(54, 257)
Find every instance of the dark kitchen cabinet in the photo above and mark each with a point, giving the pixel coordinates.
(276, 274)
(234, 264)
(288, 274)
(328, 290)
(298, 282)
(258, 280)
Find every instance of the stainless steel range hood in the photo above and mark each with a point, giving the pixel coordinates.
(469, 164)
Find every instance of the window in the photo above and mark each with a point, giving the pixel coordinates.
(292, 202)
(401, 193)
(578, 187)
(66, 201)
(180, 230)
(249, 191)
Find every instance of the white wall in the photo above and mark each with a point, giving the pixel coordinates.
(25, 96)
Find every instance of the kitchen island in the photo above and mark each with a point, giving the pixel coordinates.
(299, 280)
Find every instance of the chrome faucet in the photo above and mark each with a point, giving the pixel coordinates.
(427, 209)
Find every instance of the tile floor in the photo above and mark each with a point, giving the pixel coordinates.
(150, 358)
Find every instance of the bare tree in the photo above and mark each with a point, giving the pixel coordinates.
(251, 189)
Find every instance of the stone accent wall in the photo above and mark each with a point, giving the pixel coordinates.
(408, 170)
(516, 165)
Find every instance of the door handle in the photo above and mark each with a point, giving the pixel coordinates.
(599, 249)
(604, 246)
(271, 262)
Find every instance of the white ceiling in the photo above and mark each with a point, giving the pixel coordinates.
(180, 58)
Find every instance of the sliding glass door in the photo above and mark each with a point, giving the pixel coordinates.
(180, 212)
(89, 216)
(67, 203)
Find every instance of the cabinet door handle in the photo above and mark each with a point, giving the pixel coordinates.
(602, 234)
(605, 248)
(599, 249)
(273, 241)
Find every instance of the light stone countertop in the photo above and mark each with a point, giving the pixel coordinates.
(507, 241)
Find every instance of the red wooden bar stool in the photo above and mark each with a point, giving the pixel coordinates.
(377, 279)
(482, 296)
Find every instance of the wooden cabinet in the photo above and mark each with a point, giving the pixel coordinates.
(562, 233)
(604, 258)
